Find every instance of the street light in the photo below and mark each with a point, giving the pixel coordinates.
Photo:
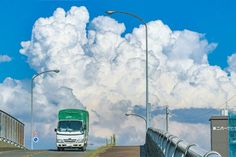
(148, 105)
(139, 116)
(32, 83)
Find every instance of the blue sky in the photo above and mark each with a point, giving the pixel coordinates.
(216, 19)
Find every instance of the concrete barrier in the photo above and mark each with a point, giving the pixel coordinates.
(7, 145)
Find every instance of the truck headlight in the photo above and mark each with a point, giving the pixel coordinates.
(60, 141)
(79, 140)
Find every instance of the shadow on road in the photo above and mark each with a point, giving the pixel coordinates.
(66, 150)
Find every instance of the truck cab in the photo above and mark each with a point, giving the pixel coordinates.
(72, 129)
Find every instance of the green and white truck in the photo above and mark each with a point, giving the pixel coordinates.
(72, 129)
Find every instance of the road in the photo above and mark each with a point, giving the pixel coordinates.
(116, 151)
(124, 151)
(21, 153)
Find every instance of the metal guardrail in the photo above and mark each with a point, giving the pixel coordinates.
(11, 128)
(167, 145)
(12, 143)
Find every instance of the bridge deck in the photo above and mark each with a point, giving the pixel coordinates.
(122, 151)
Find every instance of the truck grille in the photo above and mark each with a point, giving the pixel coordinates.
(69, 140)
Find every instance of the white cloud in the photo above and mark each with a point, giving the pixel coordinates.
(14, 97)
(232, 63)
(188, 45)
(105, 72)
(5, 58)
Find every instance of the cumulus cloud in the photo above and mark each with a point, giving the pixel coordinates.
(5, 58)
(104, 72)
(189, 45)
(14, 97)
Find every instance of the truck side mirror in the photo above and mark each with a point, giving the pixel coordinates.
(84, 127)
(55, 129)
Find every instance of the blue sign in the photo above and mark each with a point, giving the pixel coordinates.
(35, 139)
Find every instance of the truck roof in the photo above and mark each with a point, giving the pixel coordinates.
(73, 114)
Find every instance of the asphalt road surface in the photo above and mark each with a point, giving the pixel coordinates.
(124, 151)
(21, 153)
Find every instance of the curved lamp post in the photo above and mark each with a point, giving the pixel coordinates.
(32, 83)
(136, 115)
(148, 106)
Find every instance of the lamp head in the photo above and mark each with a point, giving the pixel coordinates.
(56, 71)
(109, 12)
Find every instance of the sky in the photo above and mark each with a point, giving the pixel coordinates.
(192, 55)
(215, 19)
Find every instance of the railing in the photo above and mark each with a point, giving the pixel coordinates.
(11, 143)
(163, 144)
(11, 129)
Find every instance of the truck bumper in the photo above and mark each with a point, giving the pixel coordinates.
(70, 145)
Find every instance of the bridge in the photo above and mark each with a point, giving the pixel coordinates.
(158, 144)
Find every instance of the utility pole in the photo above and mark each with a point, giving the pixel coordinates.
(167, 118)
(107, 142)
(114, 139)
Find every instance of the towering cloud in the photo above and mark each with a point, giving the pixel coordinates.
(104, 72)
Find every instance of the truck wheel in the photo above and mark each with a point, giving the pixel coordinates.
(60, 149)
(84, 148)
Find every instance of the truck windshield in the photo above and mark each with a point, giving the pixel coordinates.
(69, 126)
